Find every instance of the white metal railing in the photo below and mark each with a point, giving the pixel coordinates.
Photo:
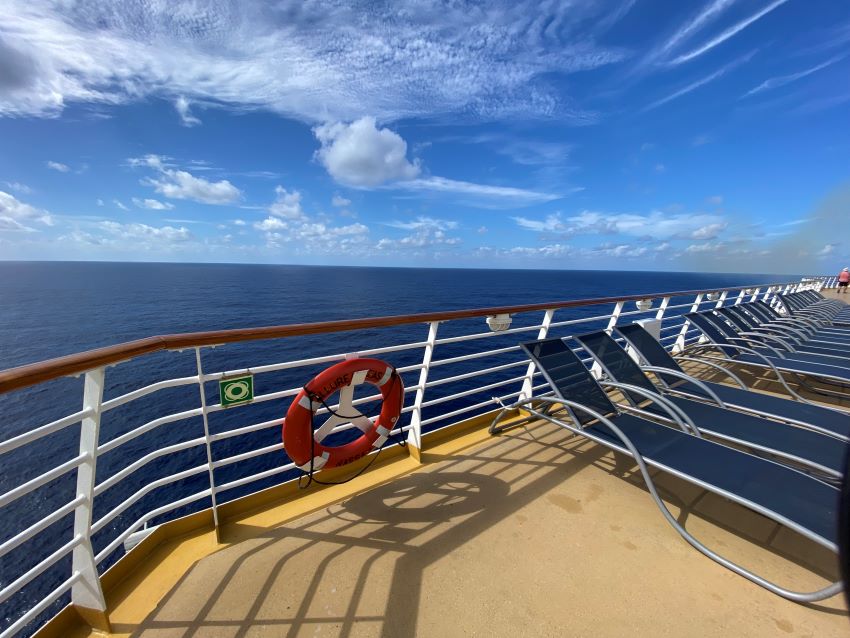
(461, 383)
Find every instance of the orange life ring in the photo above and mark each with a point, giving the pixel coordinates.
(302, 444)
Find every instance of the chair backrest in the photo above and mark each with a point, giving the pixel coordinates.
(568, 377)
(769, 310)
(757, 310)
(616, 363)
(650, 349)
(745, 313)
(732, 317)
(710, 330)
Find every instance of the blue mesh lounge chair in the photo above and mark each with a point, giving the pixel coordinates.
(754, 319)
(833, 352)
(833, 311)
(726, 335)
(813, 323)
(742, 351)
(813, 452)
(782, 494)
(800, 412)
(814, 329)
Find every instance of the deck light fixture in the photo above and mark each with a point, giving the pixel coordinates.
(643, 304)
(498, 323)
(713, 296)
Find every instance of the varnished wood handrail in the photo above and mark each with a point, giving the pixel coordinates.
(34, 373)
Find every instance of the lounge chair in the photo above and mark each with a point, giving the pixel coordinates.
(762, 356)
(815, 329)
(813, 452)
(801, 412)
(724, 334)
(833, 352)
(782, 494)
(833, 311)
(754, 318)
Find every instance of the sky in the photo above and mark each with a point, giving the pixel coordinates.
(612, 134)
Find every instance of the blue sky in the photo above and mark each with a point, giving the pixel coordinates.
(620, 134)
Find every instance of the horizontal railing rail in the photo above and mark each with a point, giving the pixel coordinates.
(31, 374)
(456, 371)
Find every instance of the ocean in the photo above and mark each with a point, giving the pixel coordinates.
(50, 309)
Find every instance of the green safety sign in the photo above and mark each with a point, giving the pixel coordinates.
(236, 390)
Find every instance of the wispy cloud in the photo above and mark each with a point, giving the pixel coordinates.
(184, 111)
(311, 61)
(712, 11)
(728, 33)
(701, 82)
(782, 80)
(506, 194)
(58, 166)
(822, 104)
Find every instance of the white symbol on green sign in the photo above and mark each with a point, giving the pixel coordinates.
(236, 390)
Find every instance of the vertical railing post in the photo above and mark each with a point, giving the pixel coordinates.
(722, 299)
(87, 593)
(659, 315)
(755, 295)
(528, 383)
(596, 369)
(680, 340)
(208, 443)
(414, 435)
(767, 294)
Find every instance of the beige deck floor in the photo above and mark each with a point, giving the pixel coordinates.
(531, 533)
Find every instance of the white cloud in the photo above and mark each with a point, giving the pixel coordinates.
(655, 225)
(119, 204)
(100, 202)
(239, 222)
(506, 196)
(315, 62)
(23, 189)
(152, 204)
(624, 251)
(13, 212)
(58, 166)
(289, 224)
(136, 231)
(728, 33)
(271, 224)
(782, 80)
(287, 204)
(427, 234)
(715, 200)
(829, 249)
(179, 184)
(340, 202)
(660, 168)
(361, 154)
(183, 110)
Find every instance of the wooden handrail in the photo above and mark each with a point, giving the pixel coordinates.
(34, 373)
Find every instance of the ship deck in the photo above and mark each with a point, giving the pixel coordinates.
(532, 532)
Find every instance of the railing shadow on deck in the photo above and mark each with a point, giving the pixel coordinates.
(401, 528)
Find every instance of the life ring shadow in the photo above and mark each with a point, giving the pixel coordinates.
(427, 497)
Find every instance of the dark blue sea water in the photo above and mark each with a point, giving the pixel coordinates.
(52, 309)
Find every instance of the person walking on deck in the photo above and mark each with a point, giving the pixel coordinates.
(843, 280)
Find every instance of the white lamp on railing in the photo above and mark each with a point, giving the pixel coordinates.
(498, 323)
(643, 304)
(748, 291)
(713, 296)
